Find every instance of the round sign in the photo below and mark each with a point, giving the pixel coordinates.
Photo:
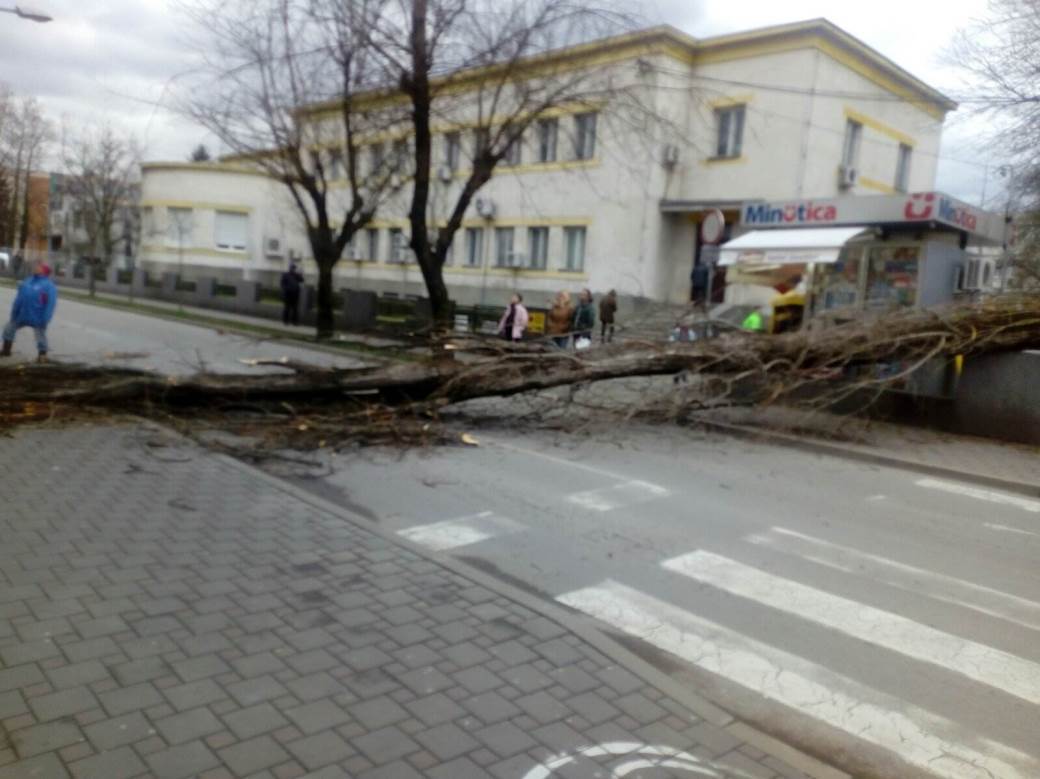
(713, 227)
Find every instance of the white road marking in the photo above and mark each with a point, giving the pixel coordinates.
(937, 586)
(918, 737)
(1007, 529)
(618, 496)
(993, 667)
(463, 531)
(558, 460)
(981, 494)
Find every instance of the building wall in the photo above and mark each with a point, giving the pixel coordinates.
(798, 94)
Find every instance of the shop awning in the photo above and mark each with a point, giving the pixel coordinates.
(788, 247)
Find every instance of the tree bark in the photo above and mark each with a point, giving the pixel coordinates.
(326, 319)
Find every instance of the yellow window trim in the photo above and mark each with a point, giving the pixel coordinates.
(879, 126)
(215, 167)
(724, 160)
(877, 186)
(230, 254)
(197, 205)
(729, 102)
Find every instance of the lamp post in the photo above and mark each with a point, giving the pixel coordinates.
(32, 14)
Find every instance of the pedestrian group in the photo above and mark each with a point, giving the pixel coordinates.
(567, 324)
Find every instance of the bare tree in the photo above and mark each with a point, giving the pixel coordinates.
(496, 67)
(263, 63)
(24, 135)
(101, 167)
(1000, 54)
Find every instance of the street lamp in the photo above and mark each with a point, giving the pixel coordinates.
(32, 14)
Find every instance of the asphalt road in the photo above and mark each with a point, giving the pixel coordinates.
(884, 621)
(81, 332)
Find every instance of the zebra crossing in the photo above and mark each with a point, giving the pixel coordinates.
(937, 743)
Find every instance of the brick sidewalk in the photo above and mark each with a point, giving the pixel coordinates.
(166, 612)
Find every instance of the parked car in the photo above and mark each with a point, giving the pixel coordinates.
(5, 261)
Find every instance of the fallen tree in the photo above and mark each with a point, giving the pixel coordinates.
(350, 401)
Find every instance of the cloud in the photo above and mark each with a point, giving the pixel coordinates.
(114, 60)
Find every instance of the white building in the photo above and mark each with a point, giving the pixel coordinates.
(791, 112)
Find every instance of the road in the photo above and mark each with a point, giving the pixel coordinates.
(882, 620)
(82, 332)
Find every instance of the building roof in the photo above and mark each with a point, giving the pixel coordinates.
(819, 34)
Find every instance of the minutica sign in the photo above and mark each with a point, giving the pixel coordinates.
(806, 212)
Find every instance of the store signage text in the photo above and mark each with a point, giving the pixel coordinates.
(806, 212)
(929, 205)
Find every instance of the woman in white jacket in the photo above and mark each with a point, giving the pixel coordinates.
(514, 320)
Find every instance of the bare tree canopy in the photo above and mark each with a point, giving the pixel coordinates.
(101, 182)
(1001, 56)
(24, 137)
(494, 68)
(262, 63)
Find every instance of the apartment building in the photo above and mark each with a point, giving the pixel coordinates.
(598, 193)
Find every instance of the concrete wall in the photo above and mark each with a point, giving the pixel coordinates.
(998, 396)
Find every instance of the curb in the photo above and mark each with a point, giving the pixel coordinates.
(873, 458)
(580, 625)
(210, 322)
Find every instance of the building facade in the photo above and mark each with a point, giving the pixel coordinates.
(604, 194)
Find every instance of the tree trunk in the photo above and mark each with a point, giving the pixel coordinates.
(326, 319)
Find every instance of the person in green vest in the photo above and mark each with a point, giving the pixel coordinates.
(754, 321)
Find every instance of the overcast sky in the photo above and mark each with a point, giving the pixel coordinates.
(112, 60)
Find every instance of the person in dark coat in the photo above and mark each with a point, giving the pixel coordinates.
(607, 310)
(584, 317)
(699, 279)
(292, 281)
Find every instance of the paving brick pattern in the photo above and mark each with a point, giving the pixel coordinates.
(167, 613)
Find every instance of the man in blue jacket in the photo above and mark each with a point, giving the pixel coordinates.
(33, 307)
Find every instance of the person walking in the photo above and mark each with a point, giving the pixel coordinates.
(561, 314)
(514, 320)
(584, 320)
(607, 310)
(699, 279)
(33, 307)
(292, 280)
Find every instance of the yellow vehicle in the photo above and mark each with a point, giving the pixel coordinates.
(788, 312)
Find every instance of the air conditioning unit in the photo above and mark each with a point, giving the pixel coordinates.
(847, 177)
(445, 174)
(670, 156)
(485, 207)
(274, 247)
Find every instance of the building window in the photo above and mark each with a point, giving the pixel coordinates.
(514, 152)
(548, 132)
(574, 239)
(452, 143)
(376, 157)
(397, 245)
(230, 230)
(729, 125)
(853, 137)
(335, 164)
(400, 152)
(903, 167)
(504, 247)
(537, 247)
(178, 226)
(474, 247)
(372, 239)
(584, 136)
(147, 222)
